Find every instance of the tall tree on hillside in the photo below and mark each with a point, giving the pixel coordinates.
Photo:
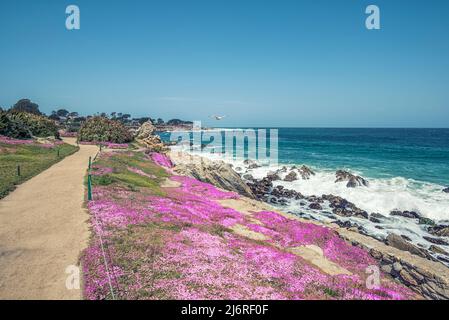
(25, 105)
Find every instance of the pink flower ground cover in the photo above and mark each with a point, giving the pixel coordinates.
(11, 141)
(181, 246)
(161, 159)
(29, 142)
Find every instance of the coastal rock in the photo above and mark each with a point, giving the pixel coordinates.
(292, 176)
(439, 241)
(153, 144)
(426, 221)
(353, 180)
(344, 208)
(439, 230)
(281, 192)
(145, 136)
(315, 206)
(218, 173)
(305, 172)
(446, 190)
(400, 243)
(438, 250)
(145, 130)
(261, 188)
(273, 176)
(405, 214)
(251, 164)
(248, 177)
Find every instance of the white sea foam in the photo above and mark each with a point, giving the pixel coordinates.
(381, 196)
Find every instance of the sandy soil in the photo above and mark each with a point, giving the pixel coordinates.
(43, 228)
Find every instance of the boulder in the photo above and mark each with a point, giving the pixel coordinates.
(146, 130)
(305, 172)
(153, 144)
(446, 190)
(353, 180)
(400, 243)
(439, 241)
(438, 250)
(405, 214)
(439, 230)
(218, 173)
(344, 208)
(292, 176)
(251, 164)
(315, 206)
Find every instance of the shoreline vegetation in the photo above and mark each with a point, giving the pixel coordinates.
(20, 160)
(174, 237)
(179, 227)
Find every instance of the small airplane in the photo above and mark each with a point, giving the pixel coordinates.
(218, 117)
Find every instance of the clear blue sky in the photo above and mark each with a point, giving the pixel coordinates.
(259, 62)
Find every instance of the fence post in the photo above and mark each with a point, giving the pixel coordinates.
(90, 163)
(89, 187)
(58, 152)
(18, 170)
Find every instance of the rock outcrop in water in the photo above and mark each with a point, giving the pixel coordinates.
(291, 176)
(406, 214)
(446, 190)
(439, 230)
(353, 180)
(344, 208)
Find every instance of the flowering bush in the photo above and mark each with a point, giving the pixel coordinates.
(101, 129)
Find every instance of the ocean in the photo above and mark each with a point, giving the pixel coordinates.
(407, 168)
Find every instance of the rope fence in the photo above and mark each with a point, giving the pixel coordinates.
(99, 224)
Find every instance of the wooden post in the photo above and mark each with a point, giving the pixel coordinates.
(89, 187)
(18, 170)
(90, 163)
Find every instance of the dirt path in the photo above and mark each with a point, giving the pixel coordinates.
(43, 228)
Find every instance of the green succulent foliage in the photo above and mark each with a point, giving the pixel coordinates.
(102, 129)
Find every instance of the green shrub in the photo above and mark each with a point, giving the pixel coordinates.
(13, 128)
(38, 126)
(102, 129)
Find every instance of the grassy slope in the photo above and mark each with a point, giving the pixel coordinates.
(180, 243)
(32, 159)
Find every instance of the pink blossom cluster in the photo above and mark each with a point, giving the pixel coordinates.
(111, 145)
(161, 159)
(200, 257)
(11, 141)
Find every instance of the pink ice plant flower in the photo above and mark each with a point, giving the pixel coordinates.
(161, 159)
(197, 262)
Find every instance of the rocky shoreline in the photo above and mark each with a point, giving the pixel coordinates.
(419, 268)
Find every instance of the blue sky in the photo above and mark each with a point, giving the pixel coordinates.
(259, 62)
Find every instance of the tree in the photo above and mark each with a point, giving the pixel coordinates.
(25, 105)
(62, 112)
(160, 121)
